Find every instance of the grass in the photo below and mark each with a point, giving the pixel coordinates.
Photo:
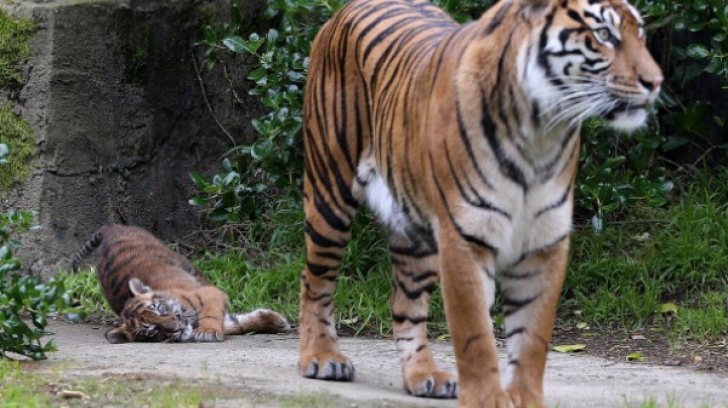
(678, 254)
(29, 384)
(617, 280)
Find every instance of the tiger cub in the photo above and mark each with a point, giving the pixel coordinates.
(160, 296)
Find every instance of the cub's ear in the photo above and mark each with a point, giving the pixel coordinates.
(117, 335)
(138, 287)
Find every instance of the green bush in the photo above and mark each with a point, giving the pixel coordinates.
(617, 170)
(24, 297)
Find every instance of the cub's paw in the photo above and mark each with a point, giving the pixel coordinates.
(207, 337)
(438, 384)
(326, 366)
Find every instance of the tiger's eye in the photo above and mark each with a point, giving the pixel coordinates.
(603, 34)
(162, 309)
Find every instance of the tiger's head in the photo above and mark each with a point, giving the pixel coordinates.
(589, 59)
(150, 316)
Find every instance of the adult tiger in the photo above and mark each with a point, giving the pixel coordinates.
(160, 296)
(465, 142)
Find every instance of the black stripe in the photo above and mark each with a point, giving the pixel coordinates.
(415, 293)
(511, 306)
(507, 166)
(414, 320)
(319, 239)
(556, 204)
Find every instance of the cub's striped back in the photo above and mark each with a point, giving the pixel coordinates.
(160, 296)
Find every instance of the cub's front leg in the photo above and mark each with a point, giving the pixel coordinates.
(211, 312)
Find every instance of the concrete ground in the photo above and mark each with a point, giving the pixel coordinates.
(261, 372)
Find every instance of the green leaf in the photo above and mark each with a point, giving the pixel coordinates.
(199, 180)
(569, 348)
(236, 44)
(597, 224)
(698, 51)
(272, 36)
(670, 308)
(636, 356)
(199, 201)
(261, 149)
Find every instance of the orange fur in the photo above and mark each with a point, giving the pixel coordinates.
(465, 142)
(160, 296)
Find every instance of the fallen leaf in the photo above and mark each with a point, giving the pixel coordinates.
(353, 320)
(668, 308)
(569, 348)
(582, 326)
(636, 356)
(638, 337)
(72, 394)
(443, 336)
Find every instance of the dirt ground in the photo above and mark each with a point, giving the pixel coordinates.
(260, 371)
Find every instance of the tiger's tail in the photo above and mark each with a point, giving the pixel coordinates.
(87, 248)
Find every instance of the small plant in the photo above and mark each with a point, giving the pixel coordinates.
(618, 171)
(24, 297)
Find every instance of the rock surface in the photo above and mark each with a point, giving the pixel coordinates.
(114, 96)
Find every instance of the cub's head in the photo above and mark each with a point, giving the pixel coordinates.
(589, 59)
(150, 316)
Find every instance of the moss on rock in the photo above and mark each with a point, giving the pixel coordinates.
(14, 48)
(16, 133)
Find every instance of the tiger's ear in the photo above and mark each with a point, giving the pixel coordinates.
(138, 287)
(535, 8)
(535, 3)
(117, 335)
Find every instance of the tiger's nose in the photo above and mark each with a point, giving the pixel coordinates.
(651, 82)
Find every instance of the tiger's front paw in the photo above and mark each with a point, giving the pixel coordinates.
(522, 398)
(483, 396)
(326, 366)
(438, 384)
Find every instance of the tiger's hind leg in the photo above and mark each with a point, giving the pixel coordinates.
(327, 224)
(414, 264)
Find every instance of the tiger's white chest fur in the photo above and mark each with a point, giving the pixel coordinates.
(530, 225)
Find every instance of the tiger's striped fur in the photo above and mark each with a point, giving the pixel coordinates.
(465, 142)
(160, 296)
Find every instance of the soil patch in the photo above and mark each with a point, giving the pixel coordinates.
(652, 345)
